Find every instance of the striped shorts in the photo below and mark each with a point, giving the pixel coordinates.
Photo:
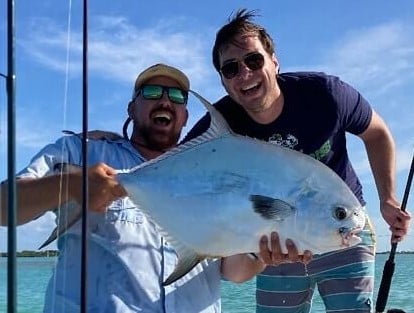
(344, 278)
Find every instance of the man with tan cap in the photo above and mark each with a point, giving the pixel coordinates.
(128, 258)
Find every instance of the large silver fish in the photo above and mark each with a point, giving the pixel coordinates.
(217, 194)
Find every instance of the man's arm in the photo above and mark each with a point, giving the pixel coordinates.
(380, 148)
(35, 196)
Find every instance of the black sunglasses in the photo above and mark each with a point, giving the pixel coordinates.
(155, 92)
(254, 61)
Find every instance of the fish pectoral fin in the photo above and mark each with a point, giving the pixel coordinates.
(51, 238)
(67, 168)
(71, 216)
(187, 260)
(271, 208)
(74, 214)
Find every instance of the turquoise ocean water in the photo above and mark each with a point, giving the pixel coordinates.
(34, 273)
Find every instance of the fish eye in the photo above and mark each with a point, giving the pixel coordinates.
(340, 213)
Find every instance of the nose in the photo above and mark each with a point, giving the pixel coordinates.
(244, 70)
(165, 100)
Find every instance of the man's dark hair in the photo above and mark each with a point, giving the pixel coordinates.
(240, 24)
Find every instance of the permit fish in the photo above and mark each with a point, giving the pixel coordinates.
(219, 193)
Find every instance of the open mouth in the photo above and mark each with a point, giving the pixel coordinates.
(162, 118)
(250, 89)
(349, 236)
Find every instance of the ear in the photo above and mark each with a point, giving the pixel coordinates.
(276, 63)
(131, 109)
(221, 79)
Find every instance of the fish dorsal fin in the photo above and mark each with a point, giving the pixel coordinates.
(218, 125)
(218, 128)
(270, 208)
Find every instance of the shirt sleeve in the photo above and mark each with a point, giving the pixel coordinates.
(354, 111)
(64, 150)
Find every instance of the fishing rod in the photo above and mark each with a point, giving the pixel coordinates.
(84, 238)
(389, 266)
(11, 161)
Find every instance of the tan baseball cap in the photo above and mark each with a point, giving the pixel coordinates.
(162, 70)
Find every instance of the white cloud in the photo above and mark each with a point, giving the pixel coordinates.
(117, 49)
(31, 134)
(376, 59)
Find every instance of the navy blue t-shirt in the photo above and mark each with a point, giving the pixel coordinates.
(318, 110)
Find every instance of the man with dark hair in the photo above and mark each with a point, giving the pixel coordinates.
(309, 112)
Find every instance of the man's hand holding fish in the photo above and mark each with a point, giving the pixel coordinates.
(242, 267)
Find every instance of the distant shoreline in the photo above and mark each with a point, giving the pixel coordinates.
(45, 253)
(398, 252)
(54, 253)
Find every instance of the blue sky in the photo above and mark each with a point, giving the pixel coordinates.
(369, 44)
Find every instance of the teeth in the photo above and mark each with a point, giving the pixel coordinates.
(162, 115)
(250, 87)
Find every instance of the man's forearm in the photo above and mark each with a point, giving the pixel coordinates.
(35, 196)
(381, 155)
(380, 148)
(382, 161)
(240, 268)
